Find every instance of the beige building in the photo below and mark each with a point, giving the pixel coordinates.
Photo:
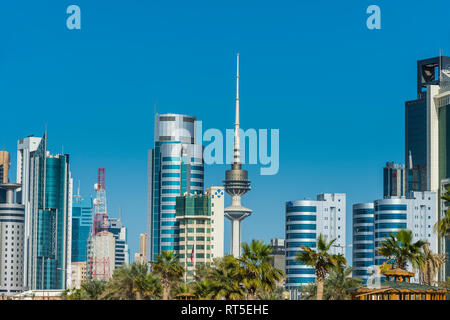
(78, 274)
(193, 214)
(4, 166)
(141, 256)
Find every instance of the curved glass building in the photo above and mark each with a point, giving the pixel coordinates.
(363, 239)
(175, 167)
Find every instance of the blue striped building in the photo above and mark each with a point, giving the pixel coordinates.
(305, 220)
(363, 239)
(390, 216)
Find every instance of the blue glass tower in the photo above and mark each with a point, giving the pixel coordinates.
(81, 227)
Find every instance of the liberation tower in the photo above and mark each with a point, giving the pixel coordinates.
(236, 184)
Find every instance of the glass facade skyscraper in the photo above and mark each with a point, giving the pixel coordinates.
(51, 213)
(81, 227)
(175, 167)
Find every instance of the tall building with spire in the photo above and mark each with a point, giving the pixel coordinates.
(236, 184)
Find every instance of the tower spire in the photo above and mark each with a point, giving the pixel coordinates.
(237, 155)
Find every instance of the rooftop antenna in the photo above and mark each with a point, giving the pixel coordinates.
(237, 155)
(120, 214)
(440, 64)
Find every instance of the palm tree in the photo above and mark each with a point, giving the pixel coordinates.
(225, 279)
(92, 289)
(169, 269)
(401, 248)
(202, 289)
(321, 260)
(432, 262)
(443, 226)
(309, 291)
(337, 283)
(132, 282)
(258, 273)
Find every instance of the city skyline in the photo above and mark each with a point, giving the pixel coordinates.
(97, 133)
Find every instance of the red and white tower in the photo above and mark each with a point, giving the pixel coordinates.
(101, 243)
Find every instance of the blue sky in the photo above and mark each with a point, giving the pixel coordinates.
(311, 69)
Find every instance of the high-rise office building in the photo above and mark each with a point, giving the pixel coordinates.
(363, 240)
(422, 130)
(141, 257)
(394, 180)
(12, 229)
(415, 212)
(427, 146)
(122, 252)
(305, 221)
(4, 166)
(81, 227)
(175, 166)
(26, 148)
(50, 200)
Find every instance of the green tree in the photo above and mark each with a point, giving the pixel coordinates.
(169, 270)
(132, 282)
(401, 248)
(321, 260)
(258, 273)
(337, 283)
(92, 289)
(225, 279)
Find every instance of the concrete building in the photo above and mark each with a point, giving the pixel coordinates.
(175, 166)
(278, 253)
(4, 166)
(101, 250)
(79, 274)
(12, 230)
(141, 256)
(305, 221)
(394, 180)
(193, 214)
